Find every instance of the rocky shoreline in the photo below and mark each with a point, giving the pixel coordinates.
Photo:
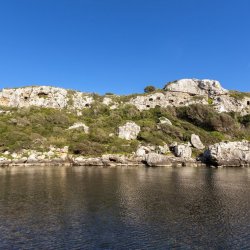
(224, 154)
(188, 122)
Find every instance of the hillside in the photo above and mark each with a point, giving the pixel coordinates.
(39, 117)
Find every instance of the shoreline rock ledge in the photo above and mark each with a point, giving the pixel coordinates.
(228, 154)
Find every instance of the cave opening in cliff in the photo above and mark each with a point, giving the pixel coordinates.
(42, 95)
(86, 105)
(248, 103)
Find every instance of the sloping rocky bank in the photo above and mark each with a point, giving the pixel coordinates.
(224, 154)
(188, 122)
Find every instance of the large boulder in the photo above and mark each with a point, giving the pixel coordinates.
(196, 87)
(157, 160)
(228, 154)
(183, 151)
(129, 131)
(142, 151)
(114, 158)
(196, 142)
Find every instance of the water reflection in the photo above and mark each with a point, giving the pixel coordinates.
(124, 208)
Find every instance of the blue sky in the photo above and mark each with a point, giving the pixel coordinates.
(121, 46)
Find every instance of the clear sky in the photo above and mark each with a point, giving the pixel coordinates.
(121, 46)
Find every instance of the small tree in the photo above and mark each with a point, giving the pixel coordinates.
(149, 89)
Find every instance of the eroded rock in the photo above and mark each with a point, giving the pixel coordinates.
(197, 87)
(44, 96)
(183, 151)
(142, 151)
(228, 154)
(168, 98)
(129, 131)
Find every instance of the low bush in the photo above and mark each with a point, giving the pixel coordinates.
(207, 118)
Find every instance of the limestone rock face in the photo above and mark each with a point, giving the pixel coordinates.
(110, 102)
(107, 101)
(183, 150)
(44, 96)
(129, 131)
(196, 142)
(179, 93)
(80, 125)
(226, 103)
(228, 154)
(175, 99)
(196, 87)
(79, 100)
(185, 92)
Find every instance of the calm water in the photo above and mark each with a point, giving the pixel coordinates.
(124, 208)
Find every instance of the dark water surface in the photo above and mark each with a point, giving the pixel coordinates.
(124, 208)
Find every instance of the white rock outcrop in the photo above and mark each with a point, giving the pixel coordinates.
(197, 87)
(227, 103)
(164, 149)
(157, 160)
(183, 92)
(164, 120)
(183, 150)
(44, 96)
(80, 125)
(196, 142)
(129, 131)
(142, 151)
(228, 153)
(168, 98)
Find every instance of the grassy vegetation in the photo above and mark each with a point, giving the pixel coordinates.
(239, 95)
(210, 101)
(38, 128)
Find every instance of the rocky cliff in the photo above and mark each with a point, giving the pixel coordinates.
(174, 125)
(179, 93)
(44, 96)
(192, 91)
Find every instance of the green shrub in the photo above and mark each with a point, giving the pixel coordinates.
(245, 120)
(149, 89)
(210, 101)
(239, 95)
(207, 118)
